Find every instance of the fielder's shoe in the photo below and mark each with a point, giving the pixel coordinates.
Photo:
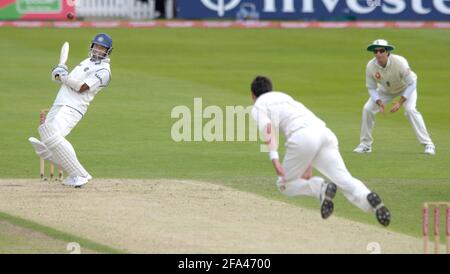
(326, 198)
(76, 181)
(430, 149)
(363, 148)
(383, 214)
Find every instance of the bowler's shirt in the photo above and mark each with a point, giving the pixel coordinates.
(283, 113)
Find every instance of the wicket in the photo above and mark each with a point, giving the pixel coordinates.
(436, 212)
(42, 116)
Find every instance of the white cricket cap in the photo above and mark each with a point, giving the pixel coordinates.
(380, 43)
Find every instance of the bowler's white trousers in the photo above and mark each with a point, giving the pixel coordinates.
(414, 117)
(318, 147)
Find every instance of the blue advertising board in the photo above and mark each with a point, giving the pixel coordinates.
(408, 10)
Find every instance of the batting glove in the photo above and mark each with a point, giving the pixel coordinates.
(58, 71)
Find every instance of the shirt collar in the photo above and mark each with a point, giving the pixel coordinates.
(387, 65)
(98, 62)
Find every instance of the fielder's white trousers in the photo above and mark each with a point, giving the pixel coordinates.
(318, 146)
(414, 117)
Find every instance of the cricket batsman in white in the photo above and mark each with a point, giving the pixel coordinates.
(389, 76)
(78, 89)
(309, 144)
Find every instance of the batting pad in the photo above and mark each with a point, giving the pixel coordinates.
(62, 151)
(40, 149)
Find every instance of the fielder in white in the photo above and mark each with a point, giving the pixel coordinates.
(309, 144)
(78, 89)
(389, 76)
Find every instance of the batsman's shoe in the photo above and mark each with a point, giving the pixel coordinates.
(327, 195)
(76, 181)
(430, 149)
(383, 214)
(363, 148)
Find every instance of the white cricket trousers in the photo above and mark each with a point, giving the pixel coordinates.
(63, 118)
(414, 117)
(318, 147)
(59, 123)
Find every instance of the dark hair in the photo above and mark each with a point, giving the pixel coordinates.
(261, 85)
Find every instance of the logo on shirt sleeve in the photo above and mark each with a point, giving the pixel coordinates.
(407, 72)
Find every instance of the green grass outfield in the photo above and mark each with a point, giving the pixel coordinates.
(53, 241)
(126, 132)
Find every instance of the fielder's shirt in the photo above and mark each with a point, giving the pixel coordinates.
(96, 74)
(392, 79)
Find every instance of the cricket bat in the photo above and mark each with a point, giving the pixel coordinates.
(63, 56)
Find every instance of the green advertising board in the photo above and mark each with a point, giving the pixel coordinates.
(35, 9)
(38, 6)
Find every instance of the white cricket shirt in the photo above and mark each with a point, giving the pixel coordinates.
(393, 79)
(96, 75)
(283, 112)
